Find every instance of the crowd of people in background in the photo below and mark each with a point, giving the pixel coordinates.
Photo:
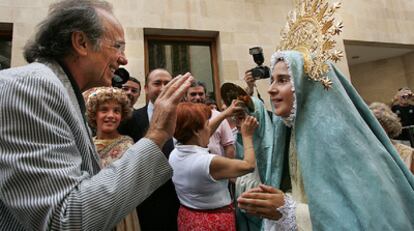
(75, 154)
(198, 195)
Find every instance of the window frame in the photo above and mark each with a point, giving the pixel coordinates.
(212, 41)
(6, 33)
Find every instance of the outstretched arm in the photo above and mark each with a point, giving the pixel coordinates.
(50, 179)
(234, 109)
(223, 168)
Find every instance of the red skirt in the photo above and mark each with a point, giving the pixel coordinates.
(206, 220)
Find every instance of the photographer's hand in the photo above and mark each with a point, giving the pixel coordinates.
(250, 81)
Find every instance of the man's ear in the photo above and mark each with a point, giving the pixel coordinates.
(80, 43)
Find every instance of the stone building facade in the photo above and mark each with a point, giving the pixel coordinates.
(236, 25)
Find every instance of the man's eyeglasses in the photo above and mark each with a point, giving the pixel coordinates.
(118, 45)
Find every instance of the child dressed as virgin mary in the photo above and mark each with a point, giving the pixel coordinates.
(332, 166)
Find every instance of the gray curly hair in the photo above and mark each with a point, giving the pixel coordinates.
(53, 37)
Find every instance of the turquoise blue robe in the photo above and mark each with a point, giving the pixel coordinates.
(263, 147)
(354, 178)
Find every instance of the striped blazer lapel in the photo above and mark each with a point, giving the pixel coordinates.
(86, 132)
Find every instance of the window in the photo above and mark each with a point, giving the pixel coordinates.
(180, 54)
(6, 31)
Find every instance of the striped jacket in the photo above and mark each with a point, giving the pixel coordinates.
(49, 172)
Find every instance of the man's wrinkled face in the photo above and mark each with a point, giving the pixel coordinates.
(110, 54)
(196, 94)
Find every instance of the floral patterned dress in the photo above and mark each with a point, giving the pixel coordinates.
(406, 154)
(110, 150)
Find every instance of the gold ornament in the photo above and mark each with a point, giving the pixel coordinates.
(310, 30)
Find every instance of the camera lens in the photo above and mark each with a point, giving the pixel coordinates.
(259, 72)
(117, 80)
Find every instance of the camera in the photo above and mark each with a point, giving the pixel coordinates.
(120, 77)
(261, 71)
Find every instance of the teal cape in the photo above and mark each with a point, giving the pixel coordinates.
(354, 178)
(263, 147)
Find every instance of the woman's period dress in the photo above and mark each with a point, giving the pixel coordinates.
(110, 150)
(337, 158)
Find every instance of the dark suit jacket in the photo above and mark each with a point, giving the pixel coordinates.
(160, 210)
(137, 125)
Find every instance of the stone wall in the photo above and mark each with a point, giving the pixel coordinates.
(380, 80)
(240, 24)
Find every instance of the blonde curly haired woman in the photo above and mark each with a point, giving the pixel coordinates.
(106, 108)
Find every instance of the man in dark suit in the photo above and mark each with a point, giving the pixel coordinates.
(159, 211)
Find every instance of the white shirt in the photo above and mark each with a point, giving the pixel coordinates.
(150, 110)
(194, 185)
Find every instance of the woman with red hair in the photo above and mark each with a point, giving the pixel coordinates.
(201, 178)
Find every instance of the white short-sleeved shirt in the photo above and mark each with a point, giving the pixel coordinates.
(194, 185)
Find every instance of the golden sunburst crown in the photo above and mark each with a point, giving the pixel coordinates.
(310, 30)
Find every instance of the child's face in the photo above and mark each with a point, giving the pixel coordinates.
(280, 90)
(108, 117)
